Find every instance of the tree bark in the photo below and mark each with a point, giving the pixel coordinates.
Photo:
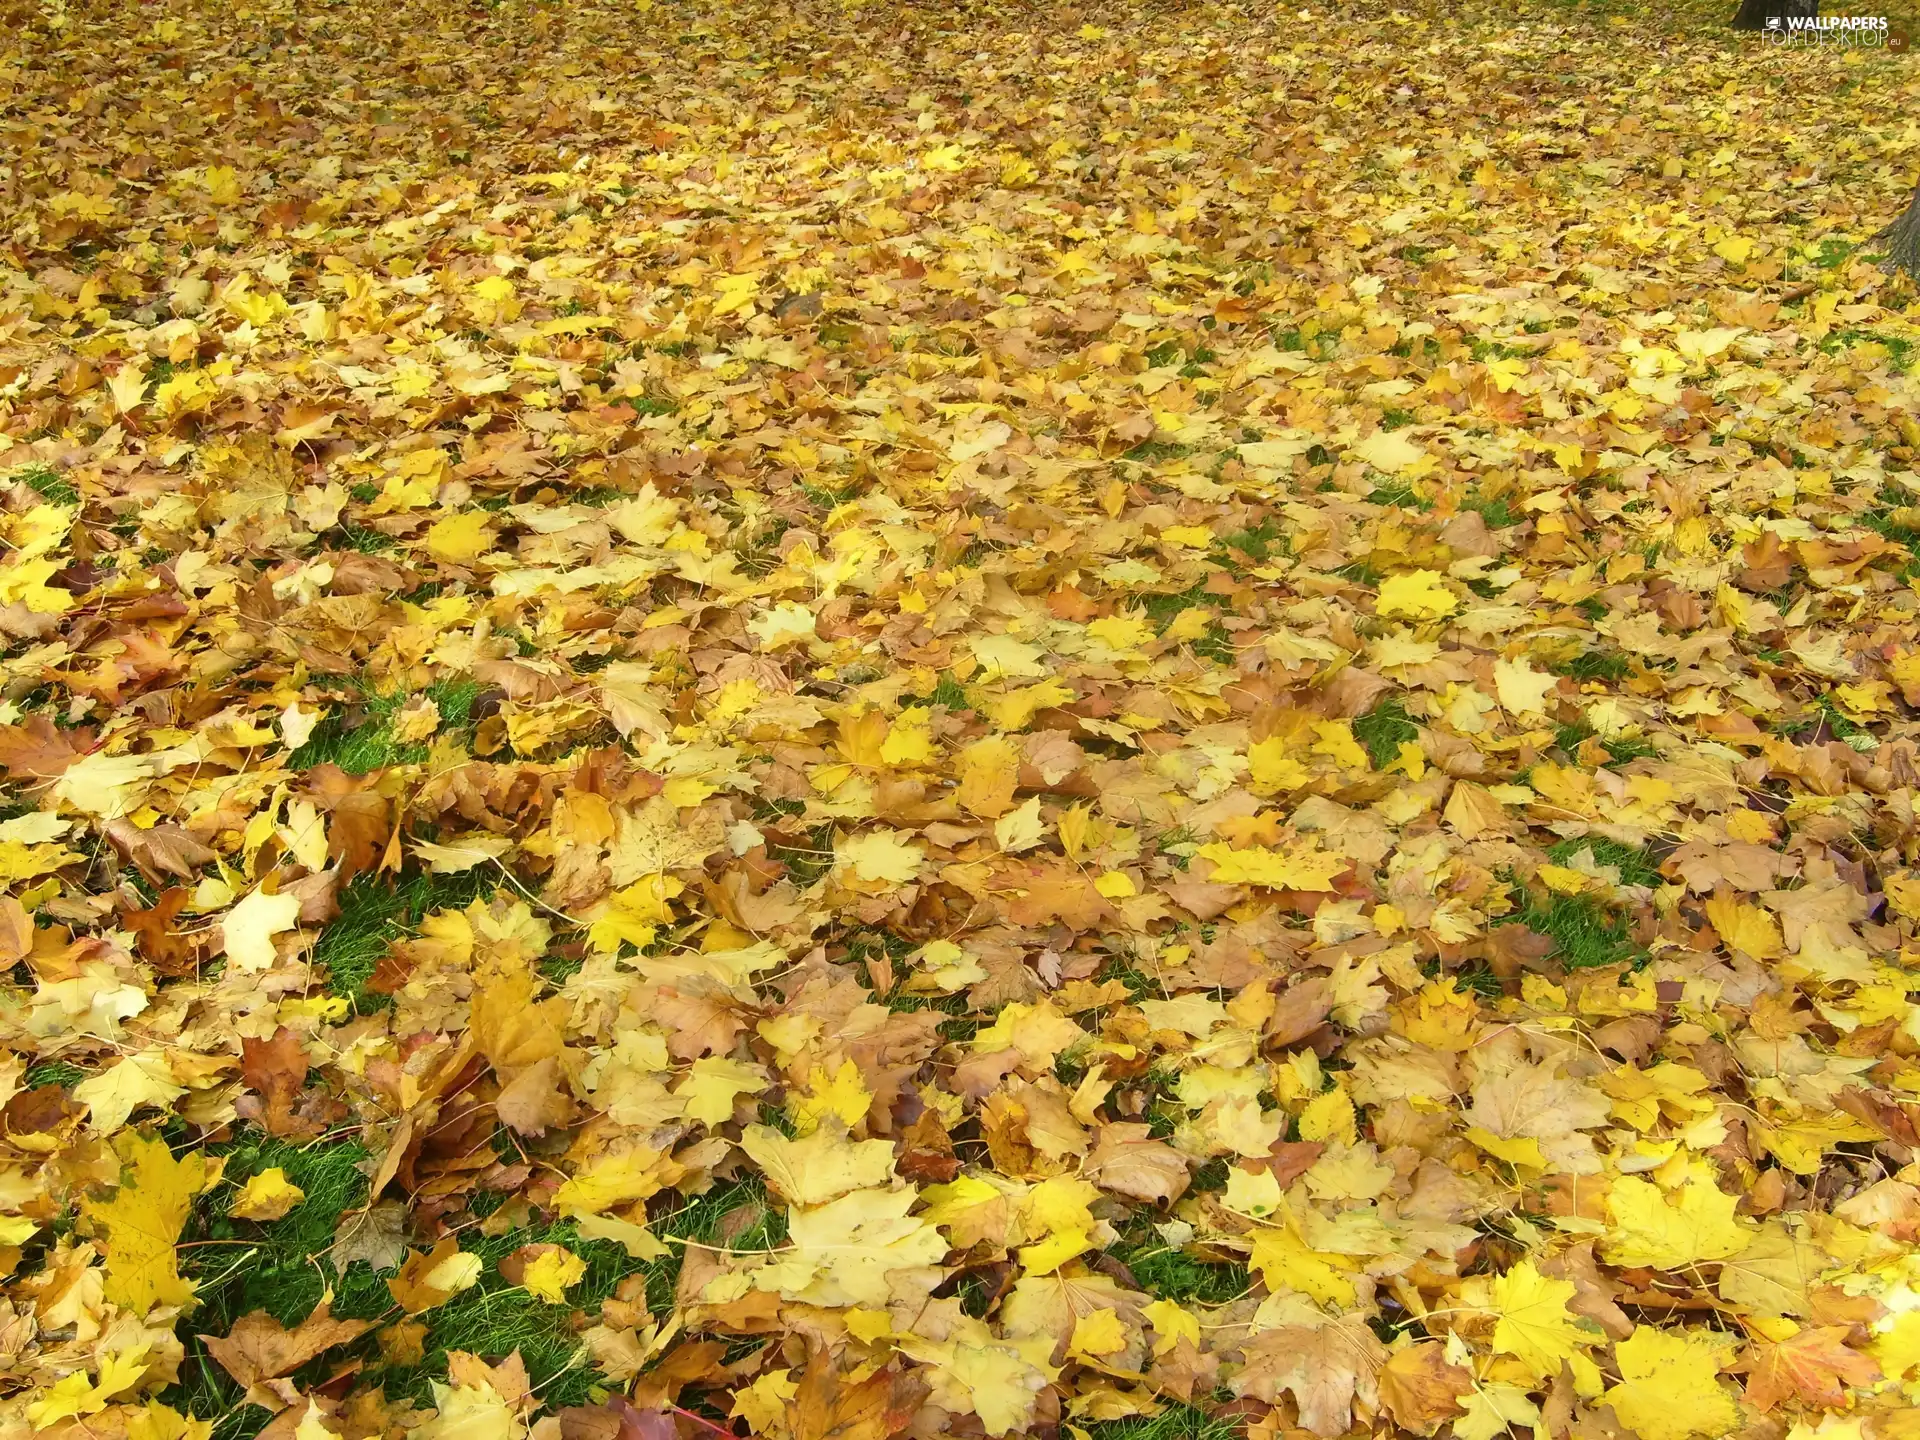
(1754, 14)
(1902, 239)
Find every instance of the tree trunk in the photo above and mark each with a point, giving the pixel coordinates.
(1902, 239)
(1754, 14)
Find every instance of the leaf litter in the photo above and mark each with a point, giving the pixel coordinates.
(851, 721)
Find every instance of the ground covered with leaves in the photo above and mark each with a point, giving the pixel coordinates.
(816, 720)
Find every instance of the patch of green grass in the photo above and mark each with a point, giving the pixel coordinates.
(1257, 543)
(1621, 750)
(1383, 730)
(1894, 502)
(1398, 494)
(285, 1270)
(240, 1266)
(47, 481)
(1150, 450)
(1901, 351)
(1601, 664)
(806, 863)
(827, 497)
(53, 1072)
(1171, 1274)
(950, 693)
(1832, 254)
(1583, 932)
(1176, 1422)
(1483, 350)
(1140, 985)
(1163, 609)
(369, 744)
(1635, 865)
(1495, 511)
(962, 1025)
(740, 1210)
(1824, 710)
(367, 542)
(1480, 979)
(374, 912)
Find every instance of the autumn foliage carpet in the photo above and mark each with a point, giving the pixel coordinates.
(863, 721)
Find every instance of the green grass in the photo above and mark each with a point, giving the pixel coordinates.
(1151, 450)
(1398, 494)
(1824, 709)
(368, 743)
(375, 911)
(1383, 730)
(1584, 933)
(282, 1267)
(1601, 664)
(1494, 510)
(1169, 1274)
(1621, 750)
(806, 862)
(240, 1266)
(47, 481)
(1176, 1422)
(53, 1072)
(367, 542)
(1635, 865)
(1902, 353)
(278, 1275)
(1257, 543)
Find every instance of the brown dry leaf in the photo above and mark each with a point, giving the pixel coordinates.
(1419, 1389)
(1325, 1369)
(1814, 1367)
(258, 1348)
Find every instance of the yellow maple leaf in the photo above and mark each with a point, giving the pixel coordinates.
(1302, 869)
(1393, 452)
(74, 1395)
(143, 1220)
(885, 856)
(266, 1196)
(1745, 927)
(1286, 1262)
(843, 1093)
(847, 1251)
(1274, 766)
(549, 1273)
(1416, 595)
(1335, 738)
(1670, 1232)
(460, 539)
(617, 1179)
(1668, 1389)
(909, 741)
(1096, 1334)
(820, 1166)
(115, 1093)
(714, 1084)
(1535, 1325)
(634, 914)
(249, 928)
